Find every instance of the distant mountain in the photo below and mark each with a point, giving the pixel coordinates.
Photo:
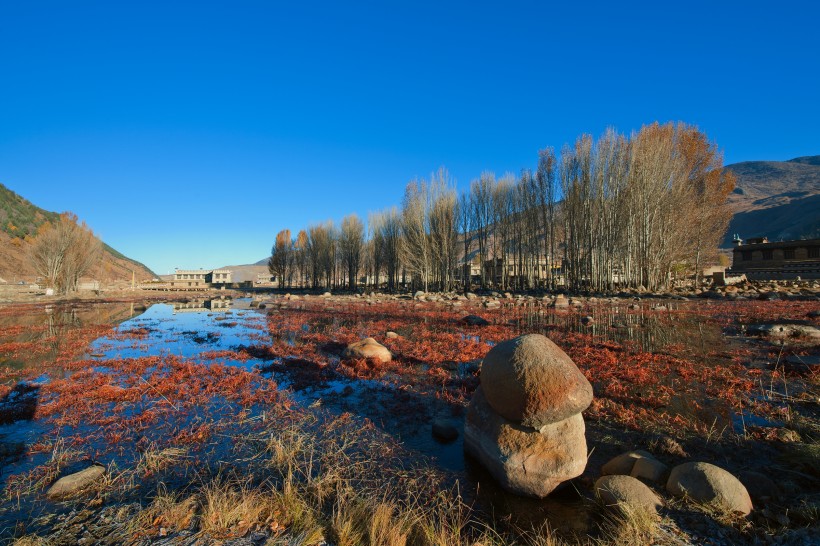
(248, 272)
(20, 218)
(776, 199)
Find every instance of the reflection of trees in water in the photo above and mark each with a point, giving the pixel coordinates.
(55, 325)
(649, 330)
(60, 320)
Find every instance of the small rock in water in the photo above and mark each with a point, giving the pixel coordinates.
(74, 483)
(445, 430)
(475, 320)
(368, 348)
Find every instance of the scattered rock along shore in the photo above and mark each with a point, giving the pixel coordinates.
(560, 299)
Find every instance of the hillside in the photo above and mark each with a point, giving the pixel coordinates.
(776, 199)
(248, 272)
(19, 218)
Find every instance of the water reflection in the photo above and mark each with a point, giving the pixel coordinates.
(43, 332)
(648, 329)
(200, 306)
(186, 328)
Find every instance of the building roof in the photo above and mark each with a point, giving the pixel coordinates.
(189, 271)
(778, 244)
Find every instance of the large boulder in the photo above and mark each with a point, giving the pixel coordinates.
(524, 460)
(704, 482)
(530, 380)
(620, 491)
(368, 348)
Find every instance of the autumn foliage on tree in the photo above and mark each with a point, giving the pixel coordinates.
(281, 261)
(63, 251)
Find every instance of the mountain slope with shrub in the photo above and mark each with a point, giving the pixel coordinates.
(19, 221)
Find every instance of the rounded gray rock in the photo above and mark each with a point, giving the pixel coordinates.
(623, 463)
(706, 482)
(625, 490)
(530, 380)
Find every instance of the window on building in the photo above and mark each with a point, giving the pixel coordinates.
(747, 256)
(768, 254)
(788, 254)
(814, 252)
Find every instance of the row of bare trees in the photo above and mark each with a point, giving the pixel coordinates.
(613, 212)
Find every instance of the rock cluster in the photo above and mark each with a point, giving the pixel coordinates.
(702, 482)
(524, 422)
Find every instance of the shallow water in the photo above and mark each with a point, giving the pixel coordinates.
(193, 329)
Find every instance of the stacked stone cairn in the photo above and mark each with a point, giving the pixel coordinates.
(524, 423)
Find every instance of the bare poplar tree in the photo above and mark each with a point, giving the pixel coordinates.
(442, 221)
(391, 234)
(416, 251)
(547, 191)
(708, 185)
(301, 257)
(351, 241)
(481, 197)
(320, 254)
(281, 258)
(465, 228)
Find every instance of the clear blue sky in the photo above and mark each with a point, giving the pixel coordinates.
(188, 134)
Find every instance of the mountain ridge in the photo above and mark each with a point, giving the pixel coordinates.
(781, 196)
